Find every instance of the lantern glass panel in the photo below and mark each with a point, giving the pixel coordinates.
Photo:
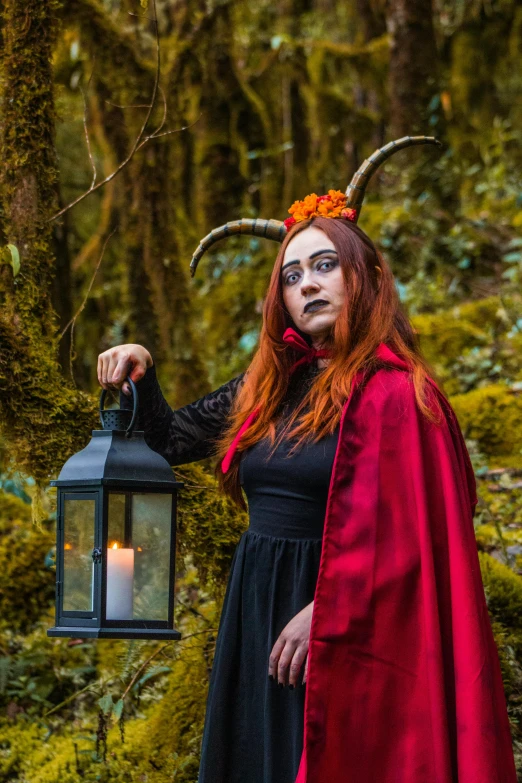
(151, 535)
(138, 556)
(78, 525)
(116, 533)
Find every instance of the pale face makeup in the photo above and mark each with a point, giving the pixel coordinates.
(312, 282)
(310, 271)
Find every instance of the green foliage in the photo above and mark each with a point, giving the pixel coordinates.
(209, 527)
(127, 696)
(498, 519)
(161, 744)
(132, 709)
(491, 416)
(26, 583)
(503, 590)
(474, 344)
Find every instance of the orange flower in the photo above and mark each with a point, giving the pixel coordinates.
(302, 210)
(332, 204)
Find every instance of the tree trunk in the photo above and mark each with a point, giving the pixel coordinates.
(413, 78)
(43, 420)
(373, 22)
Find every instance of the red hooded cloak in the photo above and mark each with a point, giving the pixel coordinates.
(404, 681)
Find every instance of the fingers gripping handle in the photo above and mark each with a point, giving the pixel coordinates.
(103, 413)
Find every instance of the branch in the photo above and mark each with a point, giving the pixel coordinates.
(143, 667)
(90, 686)
(160, 649)
(93, 245)
(86, 128)
(75, 316)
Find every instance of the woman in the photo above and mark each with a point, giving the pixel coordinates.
(358, 574)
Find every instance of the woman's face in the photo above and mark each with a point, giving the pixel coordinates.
(311, 273)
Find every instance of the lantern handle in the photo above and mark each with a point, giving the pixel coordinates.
(128, 431)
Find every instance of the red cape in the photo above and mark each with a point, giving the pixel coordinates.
(404, 681)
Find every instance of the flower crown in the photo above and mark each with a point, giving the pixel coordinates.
(331, 205)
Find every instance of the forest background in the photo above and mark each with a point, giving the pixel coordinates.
(127, 131)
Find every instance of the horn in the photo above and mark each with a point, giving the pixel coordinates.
(270, 229)
(276, 229)
(356, 189)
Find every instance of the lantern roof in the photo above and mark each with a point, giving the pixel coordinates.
(119, 459)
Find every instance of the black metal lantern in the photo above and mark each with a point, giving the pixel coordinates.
(116, 536)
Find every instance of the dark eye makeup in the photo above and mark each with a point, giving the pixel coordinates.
(332, 261)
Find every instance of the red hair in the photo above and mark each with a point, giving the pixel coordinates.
(372, 314)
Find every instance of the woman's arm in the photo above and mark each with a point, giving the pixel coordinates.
(189, 433)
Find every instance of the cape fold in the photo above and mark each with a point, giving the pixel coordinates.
(404, 681)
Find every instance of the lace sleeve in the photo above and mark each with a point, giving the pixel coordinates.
(189, 433)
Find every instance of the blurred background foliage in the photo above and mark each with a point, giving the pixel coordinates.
(263, 103)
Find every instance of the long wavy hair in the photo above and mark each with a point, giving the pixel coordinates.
(372, 314)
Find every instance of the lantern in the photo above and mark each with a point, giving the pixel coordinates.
(116, 536)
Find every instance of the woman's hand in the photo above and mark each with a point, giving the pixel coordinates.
(291, 649)
(116, 363)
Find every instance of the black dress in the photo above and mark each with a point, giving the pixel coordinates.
(253, 728)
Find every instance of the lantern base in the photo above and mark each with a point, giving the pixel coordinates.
(75, 632)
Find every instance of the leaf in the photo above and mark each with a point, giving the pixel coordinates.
(152, 673)
(516, 242)
(50, 558)
(106, 704)
(510, 274)
(78, 670)
(118, 709)
(464, 263)
(15, 259)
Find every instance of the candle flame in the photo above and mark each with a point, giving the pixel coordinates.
(140, 549)
(115, 545)
(67, 546)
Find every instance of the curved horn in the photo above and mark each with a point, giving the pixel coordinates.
(270, 229)
(356, 189)
(276, 229)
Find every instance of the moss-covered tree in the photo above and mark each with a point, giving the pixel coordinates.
(36, 404)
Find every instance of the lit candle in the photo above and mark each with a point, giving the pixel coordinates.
(120, 583)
